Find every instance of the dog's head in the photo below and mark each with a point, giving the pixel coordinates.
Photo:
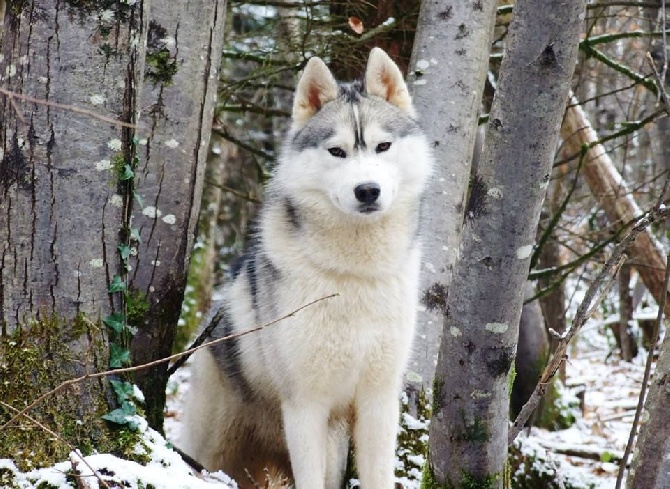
(359, 143)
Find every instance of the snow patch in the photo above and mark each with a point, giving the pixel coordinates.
(524, 252)
(496, 327)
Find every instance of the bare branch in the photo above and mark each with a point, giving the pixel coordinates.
(117, 371)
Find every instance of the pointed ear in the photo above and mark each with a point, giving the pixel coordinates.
(384, 79)
(316, 87)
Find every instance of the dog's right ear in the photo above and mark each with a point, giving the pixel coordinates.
(316, 87)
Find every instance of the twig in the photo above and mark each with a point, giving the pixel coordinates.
(198, 341)
(585, 309)
(57, 437)
(645, 377)
(237, 193)
(12, 95)
(117, 371)
(659, 81)
(253, 150)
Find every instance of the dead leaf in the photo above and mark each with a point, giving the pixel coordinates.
(356, 25)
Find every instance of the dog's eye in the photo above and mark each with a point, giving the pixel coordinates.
(381, 147)
(337, 152)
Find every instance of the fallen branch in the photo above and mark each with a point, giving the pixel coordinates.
(117, 371)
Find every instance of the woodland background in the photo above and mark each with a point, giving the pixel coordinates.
(120, 134)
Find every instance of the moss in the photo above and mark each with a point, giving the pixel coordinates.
(477, 431)
(38, 356)
(196, 296)
(161, 66)
(438, 393)
(468, 481)
(137, 307)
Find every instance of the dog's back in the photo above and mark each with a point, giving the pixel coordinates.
(341, 217)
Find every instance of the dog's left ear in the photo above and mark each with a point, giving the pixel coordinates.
(384, 79)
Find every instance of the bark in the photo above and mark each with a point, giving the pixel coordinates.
(59, 220)
(183, 57)
(613, 194)
(68, 199)
(468, 431)
(624, 336)
(447, 73)
(650, 467)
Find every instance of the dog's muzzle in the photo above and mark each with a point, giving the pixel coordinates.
(367, 194)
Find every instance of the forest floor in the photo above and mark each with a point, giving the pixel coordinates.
(603, 389)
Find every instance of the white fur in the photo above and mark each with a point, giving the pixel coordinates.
(334, 369)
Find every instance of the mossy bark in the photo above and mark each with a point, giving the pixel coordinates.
(59, 213)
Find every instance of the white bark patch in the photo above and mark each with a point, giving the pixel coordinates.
(107, 15)
(172, 143)
(10, 70)
(477, 394)
(422, 81)
(143, 142)
(114, 145)
(103, 165)
(498, 328)
(96, 263)
(156, 263)
(422, 64)
(455, 332)
(496, 193)
(169, 219)
(430, 267)
(116, 200)
(97, 100)
(524, 252)
(151, 212)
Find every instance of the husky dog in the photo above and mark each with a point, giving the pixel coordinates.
(340, 217)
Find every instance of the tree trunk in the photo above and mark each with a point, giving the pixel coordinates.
(183, 57)
(59, 210)
(613, 194)
(468, 431)
(70, 184)
(650, 468)
(447, 73)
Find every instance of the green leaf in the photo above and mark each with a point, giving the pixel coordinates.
(117, 285)
(124, 251)
(139, 200)
(124, 390)
(127, 173)
(115, 321)
(117, 416)
(118, 356)
(135, 235)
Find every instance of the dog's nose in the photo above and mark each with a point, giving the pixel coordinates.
(367, 193)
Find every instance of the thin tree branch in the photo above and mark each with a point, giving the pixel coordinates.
(237, 193)
(229, 137)
(117, 371)
(12, 95)
(59, 438)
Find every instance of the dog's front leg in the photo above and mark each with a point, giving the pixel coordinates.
(375, 431)
(306, 427)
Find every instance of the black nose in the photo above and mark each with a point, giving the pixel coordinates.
(368, 192)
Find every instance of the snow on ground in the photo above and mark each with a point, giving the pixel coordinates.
(609, 388)
(586, 451)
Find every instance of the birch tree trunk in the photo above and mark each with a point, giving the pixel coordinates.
(613, 194)
(468, 431)
(447, 74)
(70, 188)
